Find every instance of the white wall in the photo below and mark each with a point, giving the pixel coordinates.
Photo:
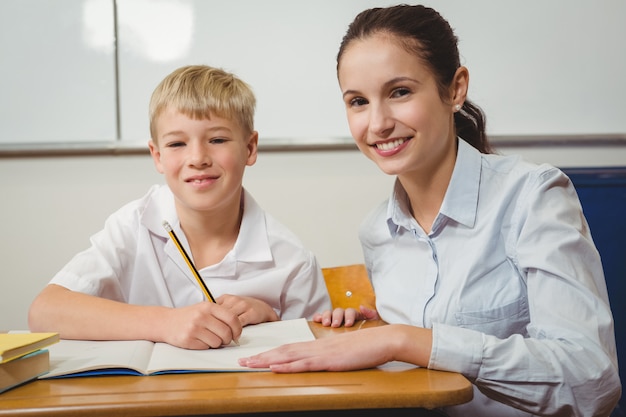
(50, 206)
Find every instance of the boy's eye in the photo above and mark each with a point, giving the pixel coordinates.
(217, 141)
(175, 144)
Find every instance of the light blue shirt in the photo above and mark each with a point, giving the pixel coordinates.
(510, 282)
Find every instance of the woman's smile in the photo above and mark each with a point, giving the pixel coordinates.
(391, 147)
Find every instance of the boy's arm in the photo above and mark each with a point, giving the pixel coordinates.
(306, 294)
(80, 316)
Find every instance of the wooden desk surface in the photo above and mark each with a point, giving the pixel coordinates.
(238, 392)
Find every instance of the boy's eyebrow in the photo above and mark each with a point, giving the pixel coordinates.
(219, 128)
(209, 130)
(174, 133)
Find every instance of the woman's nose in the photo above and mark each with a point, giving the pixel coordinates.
(381, 123)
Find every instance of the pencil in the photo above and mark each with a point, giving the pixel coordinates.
(194, 271)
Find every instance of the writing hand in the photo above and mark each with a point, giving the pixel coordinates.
(249, 310)
(201, 326)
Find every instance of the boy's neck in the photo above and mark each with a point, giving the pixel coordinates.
(211, 235)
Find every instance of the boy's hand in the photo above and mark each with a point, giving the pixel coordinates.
(347, 317)
(249, 310)
(201, 326)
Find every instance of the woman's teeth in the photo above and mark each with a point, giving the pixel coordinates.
(387, 146)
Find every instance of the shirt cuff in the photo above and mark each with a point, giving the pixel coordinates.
(456, 349)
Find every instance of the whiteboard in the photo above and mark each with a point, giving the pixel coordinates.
(536, 67)
(57, 71)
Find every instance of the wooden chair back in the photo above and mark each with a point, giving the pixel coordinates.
(349, 286)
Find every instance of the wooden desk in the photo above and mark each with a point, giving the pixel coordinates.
(239, 392)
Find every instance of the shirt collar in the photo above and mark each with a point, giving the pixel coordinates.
(398, 212)
(252, 244)
(160, 208)
(461, 198)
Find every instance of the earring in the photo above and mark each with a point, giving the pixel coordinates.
(457, 107)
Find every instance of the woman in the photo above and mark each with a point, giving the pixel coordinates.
(482, 264)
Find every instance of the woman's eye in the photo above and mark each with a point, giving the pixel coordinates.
(400, 92)
(357, 102)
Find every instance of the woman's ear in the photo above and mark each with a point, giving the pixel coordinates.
(459, 86)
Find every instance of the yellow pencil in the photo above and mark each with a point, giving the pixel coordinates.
(182, 251)
(203, 286)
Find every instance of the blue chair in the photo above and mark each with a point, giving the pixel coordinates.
(602, 193)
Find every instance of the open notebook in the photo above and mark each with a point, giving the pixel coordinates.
(71, 358)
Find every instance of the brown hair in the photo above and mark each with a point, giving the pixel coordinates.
(424, 32)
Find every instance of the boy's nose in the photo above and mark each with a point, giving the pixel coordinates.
(200, 156)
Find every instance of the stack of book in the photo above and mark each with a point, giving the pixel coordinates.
(24, 357)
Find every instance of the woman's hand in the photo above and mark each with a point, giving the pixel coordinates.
(249, 310)
(358, 349)
(347, 317)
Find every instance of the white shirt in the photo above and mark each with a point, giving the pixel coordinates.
(510, 282)
(133, 260)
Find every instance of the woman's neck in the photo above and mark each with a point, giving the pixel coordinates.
(426, 190)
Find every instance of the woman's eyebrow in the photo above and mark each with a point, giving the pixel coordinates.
(387, 84)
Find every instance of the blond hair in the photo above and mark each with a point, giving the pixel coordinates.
(198, 91)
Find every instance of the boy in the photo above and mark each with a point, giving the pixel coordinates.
(133, 283)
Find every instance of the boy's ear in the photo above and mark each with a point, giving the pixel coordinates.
(156, 155)
(252, 146)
